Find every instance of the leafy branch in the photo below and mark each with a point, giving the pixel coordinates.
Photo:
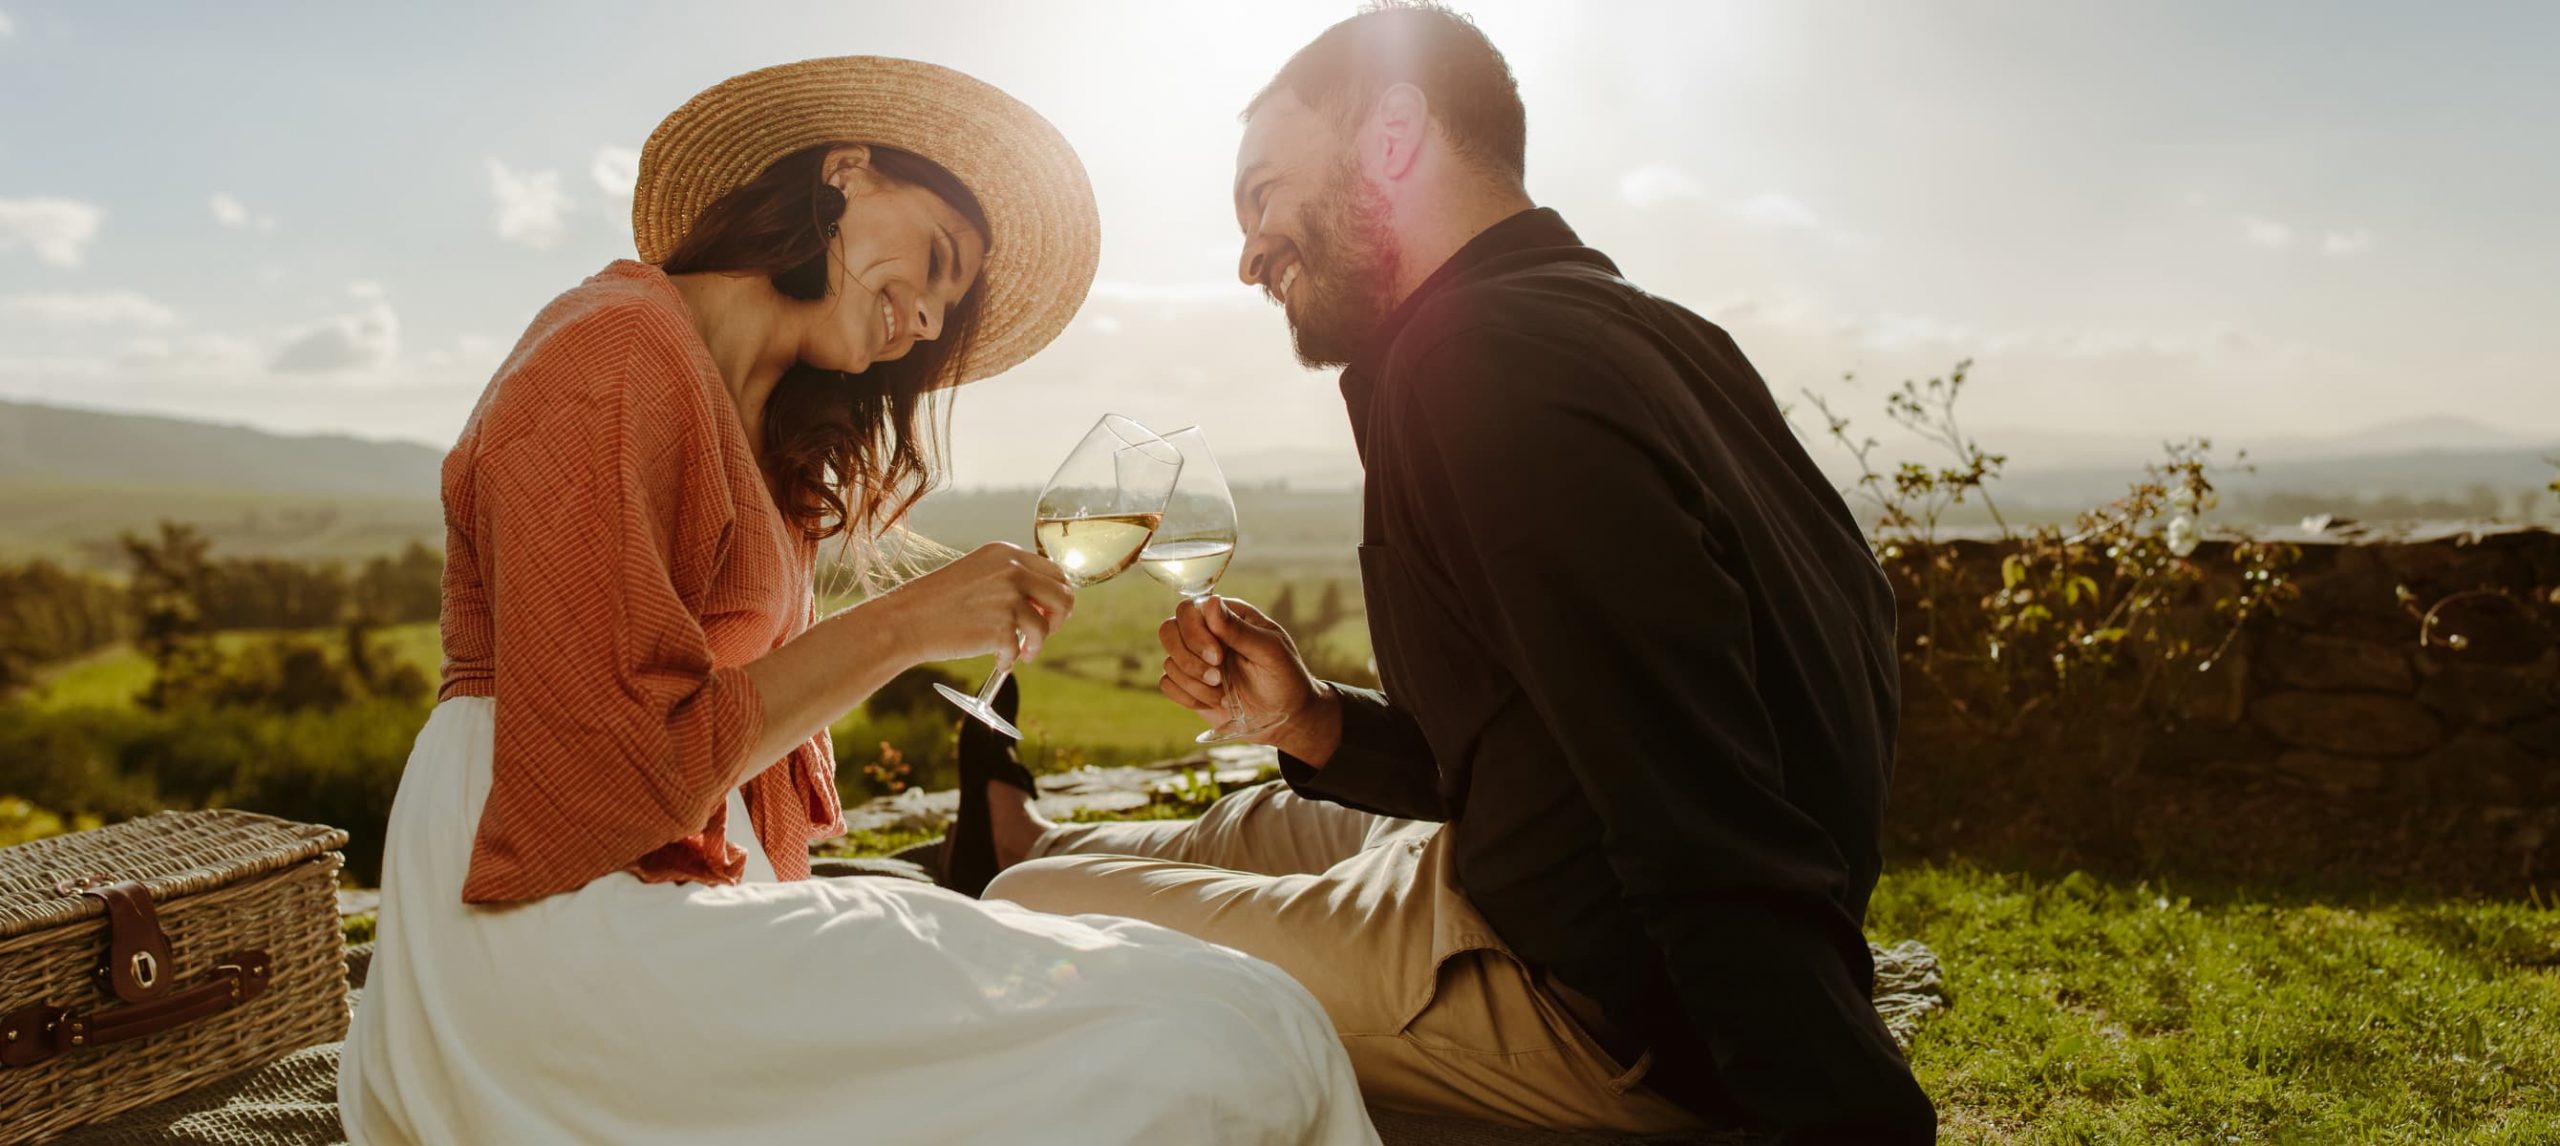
(2101, 616)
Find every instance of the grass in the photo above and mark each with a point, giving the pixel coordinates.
(111, 677)
(2089, 1011)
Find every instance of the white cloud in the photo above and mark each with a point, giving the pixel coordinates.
(2266, 232)
(1778, 212)
(2355, 242)
(365, 340)
(365, 289)
(476, 351)
(616, 170)
(235, 215)
(55, 229)
(7, 29)
(531, 205)
(229, 354)
(105, 308)
(1654, 185)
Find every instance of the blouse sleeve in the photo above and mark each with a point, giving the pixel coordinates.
(615, 732)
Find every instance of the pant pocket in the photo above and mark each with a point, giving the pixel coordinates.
(1481, 1002)
(1620, 1077)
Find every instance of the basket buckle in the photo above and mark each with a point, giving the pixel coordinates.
(146, 970)
(81, 884)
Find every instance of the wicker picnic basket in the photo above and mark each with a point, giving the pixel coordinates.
(146, 958)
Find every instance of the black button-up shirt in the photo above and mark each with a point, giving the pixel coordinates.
(1638, 655)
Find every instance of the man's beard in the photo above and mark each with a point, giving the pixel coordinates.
(1346, 270)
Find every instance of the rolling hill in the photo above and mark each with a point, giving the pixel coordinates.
(71, 480)
(62, 445)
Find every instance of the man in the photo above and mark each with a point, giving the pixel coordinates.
(1638, 661)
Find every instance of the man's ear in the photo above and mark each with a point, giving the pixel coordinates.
(1399, 125)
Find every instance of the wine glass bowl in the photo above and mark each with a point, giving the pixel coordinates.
(1194, 542)
(1095, 515)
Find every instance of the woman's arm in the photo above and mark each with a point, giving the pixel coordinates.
(970, 607)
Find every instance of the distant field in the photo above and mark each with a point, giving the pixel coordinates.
(78, 523)
(1092, 689)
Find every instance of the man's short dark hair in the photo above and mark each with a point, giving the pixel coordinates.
(1472, 95)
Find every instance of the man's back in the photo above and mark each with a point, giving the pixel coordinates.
(1650, 653)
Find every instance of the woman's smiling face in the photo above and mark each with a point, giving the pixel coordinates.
(901, 260)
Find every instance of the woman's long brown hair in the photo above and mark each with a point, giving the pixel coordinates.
(843, 453)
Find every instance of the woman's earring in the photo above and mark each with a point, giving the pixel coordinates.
(831, 230)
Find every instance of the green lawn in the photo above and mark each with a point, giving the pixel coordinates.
(2089, 1011)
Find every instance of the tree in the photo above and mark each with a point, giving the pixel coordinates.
(272, 593)
(399, 590)
(1284, 609)
(172, 577)
(1329, 611)
(48, 613)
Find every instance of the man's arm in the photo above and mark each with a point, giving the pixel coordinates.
(1587, 554)
(1374, 759)
(1342, 744)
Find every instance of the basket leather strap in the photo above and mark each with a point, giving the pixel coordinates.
(30, 1035)
(139, 962)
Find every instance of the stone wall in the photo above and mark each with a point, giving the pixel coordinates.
(2398, 723)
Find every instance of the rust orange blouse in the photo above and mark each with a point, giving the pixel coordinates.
(612, 557)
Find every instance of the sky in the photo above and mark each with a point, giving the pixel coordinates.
(2256, 222)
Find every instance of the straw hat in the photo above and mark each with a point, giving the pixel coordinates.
(1038, 201)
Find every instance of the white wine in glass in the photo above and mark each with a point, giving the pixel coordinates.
(1194, 543)
(1096, 548)
(1191, 568)
(1094, 516)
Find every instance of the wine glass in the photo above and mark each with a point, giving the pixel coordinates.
(1190, 551)
(1094, 516)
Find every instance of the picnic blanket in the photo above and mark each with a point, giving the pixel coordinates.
(293, 1101)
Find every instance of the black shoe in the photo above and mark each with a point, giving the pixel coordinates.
(969, 856)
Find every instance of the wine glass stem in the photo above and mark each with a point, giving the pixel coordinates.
(995, 681)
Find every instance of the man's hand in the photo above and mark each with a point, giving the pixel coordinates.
(1221, 645)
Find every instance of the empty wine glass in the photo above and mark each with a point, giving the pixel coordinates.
(1094, 516)
(1192, 547)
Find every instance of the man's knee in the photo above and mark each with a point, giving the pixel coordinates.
(1049, 884)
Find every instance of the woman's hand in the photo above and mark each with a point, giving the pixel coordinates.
(999, 599)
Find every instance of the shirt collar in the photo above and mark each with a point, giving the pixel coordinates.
(1537, 235)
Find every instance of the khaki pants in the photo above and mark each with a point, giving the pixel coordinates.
(1438, 1016)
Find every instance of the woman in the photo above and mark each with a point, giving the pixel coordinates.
(597, 922)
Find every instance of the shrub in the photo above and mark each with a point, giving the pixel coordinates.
(912, 692)
(69, 761)
(21, 821)
(339, 767)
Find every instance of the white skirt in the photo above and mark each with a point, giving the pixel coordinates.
(858, 1009)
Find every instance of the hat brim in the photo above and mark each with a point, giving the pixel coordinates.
(1047, 233)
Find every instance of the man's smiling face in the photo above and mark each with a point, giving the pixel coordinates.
(1317, 235)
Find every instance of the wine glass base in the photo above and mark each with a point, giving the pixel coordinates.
(986, 715)
(1240, 728)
